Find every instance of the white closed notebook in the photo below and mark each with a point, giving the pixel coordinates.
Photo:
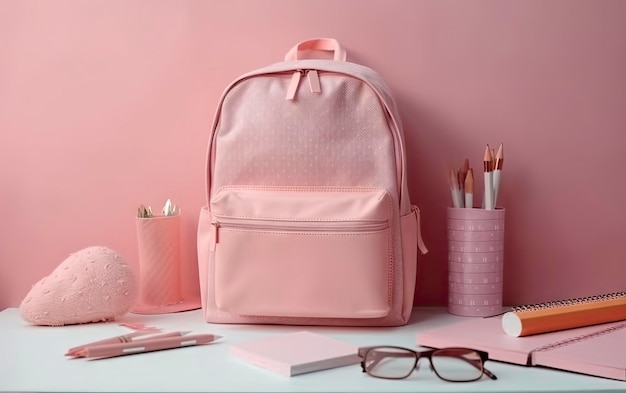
(297, 353)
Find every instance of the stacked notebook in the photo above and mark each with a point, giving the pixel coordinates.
(297, 353)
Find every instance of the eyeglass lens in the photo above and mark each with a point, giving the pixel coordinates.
(453, 364)
(457, 364)
(388, 362)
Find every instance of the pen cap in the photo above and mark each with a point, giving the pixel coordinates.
(158, 241)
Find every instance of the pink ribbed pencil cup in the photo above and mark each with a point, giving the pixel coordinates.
(475, 261)
(158, 241)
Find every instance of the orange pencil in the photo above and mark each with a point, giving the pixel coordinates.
(526, 323)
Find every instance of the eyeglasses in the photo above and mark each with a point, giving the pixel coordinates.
(449, 364)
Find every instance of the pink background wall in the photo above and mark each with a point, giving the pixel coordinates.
(107, 104)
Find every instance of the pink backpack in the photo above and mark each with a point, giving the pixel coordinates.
(308, 218)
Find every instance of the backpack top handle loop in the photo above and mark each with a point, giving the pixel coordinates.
(321, 44)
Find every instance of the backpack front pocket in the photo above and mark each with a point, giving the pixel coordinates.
(302, 252)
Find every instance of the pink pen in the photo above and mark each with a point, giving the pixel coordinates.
(148, 345)
(126, 338)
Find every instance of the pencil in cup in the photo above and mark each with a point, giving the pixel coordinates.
(488, 177)
(493, 164)
(461, 183)
(455, 188)
(469, 189)
(497, 173)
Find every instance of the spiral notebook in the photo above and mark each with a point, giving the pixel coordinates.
(598, 350)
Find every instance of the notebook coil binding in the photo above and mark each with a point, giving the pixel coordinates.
(569, 302)
(579, 338)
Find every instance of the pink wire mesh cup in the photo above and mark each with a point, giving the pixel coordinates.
(475, 261)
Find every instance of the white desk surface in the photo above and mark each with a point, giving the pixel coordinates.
(32, 359)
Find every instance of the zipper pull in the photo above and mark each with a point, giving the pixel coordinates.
(314, 81)
(313, 78)
(293, 85)
(420, 241)
(214, 235)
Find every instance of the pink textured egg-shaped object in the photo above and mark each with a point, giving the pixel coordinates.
(92, 285)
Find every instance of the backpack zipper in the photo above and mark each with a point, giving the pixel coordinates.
(313, 78)
(356, 226)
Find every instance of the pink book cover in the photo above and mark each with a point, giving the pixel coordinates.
(598, 350)
(297, 353)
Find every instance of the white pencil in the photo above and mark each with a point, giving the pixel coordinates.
(469, 189)
(455, 191)
(488, 168)
(497, 170)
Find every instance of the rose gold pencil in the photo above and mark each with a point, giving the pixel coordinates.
(142, 346)
(126, 338)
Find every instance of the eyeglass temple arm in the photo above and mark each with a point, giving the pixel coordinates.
(485, 371)
(489, 373)
(484, 356)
